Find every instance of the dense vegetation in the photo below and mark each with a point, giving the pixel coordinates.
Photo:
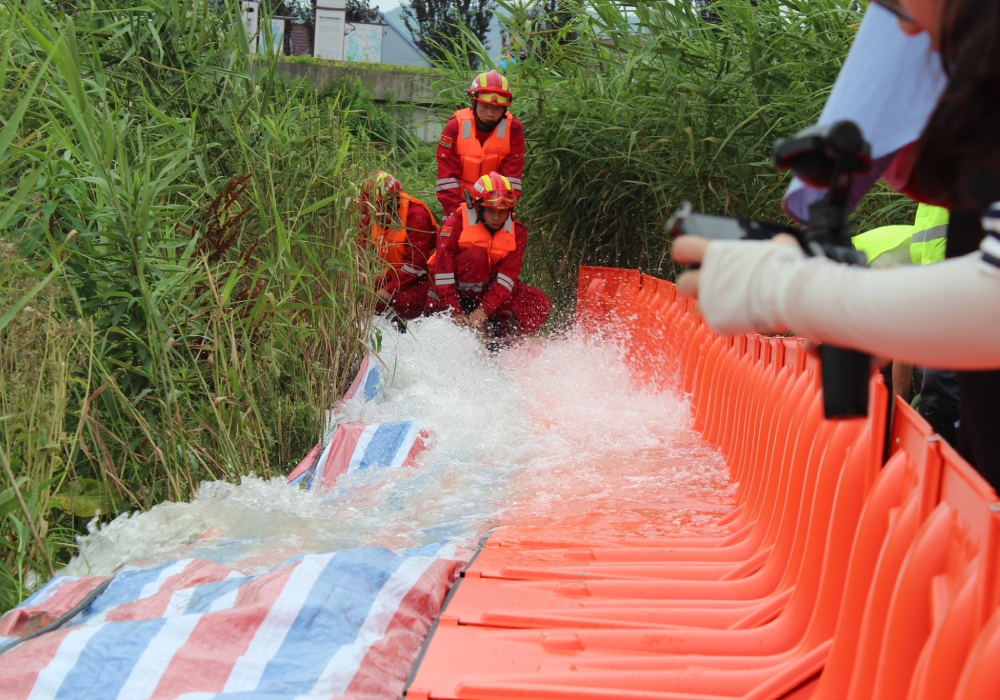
(179, 289)
(180, 296)
(632, 108)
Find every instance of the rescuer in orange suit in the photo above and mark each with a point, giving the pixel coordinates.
(479, 139)
(402, 229)
(480, 250)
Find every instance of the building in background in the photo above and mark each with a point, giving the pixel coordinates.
(272, 36)
(251, 20)
(381, 42)
(333, 36)
(398, 48)
(330, 23)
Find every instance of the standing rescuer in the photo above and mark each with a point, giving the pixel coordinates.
(477, 264)
(402, 229)
(480, 139)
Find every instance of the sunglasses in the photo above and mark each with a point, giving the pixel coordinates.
(894, 8)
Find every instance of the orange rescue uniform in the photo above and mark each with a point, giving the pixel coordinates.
(476, 269)
(405, 247)
(465, 154)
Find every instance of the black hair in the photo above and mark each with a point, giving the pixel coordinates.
(965, 126)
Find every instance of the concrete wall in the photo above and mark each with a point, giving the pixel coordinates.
(403, 86)
(409, 88)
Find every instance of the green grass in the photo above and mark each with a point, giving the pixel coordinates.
(362, 65)
(181, 295)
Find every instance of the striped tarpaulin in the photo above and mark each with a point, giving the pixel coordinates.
(357, 446)
(340, 624)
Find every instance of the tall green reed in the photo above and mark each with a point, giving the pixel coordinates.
(181, 294)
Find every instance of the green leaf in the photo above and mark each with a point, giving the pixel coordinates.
(14, 310)
(84, 498)
(8, 501)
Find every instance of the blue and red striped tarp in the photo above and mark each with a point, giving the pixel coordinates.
(357, 446)
(340, 624)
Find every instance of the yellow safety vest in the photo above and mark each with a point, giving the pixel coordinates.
(930, 235)
(886, 246)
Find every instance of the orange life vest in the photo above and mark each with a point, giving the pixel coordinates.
(391, 242)
(479, 159)
(475, 234)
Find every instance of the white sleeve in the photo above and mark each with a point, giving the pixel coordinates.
(945, 315)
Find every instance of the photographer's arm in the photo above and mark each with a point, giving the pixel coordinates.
(945, 315)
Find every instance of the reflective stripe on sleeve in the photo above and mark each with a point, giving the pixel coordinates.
(991, 244)
(445, 180)
(448, 186)
(505, 281)
(413, 270)
(444, 279)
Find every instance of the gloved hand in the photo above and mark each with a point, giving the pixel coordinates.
(737, 288)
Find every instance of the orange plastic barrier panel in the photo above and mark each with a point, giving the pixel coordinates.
(835, 576)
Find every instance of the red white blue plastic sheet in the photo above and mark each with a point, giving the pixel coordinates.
(340, 624)
(357, 446)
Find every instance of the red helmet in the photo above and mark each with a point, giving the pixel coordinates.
(492, 89)
(494, 191)
(382, 183)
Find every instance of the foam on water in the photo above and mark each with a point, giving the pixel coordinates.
(553, 428)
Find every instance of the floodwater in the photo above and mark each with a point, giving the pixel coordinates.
(553, 430)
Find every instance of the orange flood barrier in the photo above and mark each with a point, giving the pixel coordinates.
(837, 575)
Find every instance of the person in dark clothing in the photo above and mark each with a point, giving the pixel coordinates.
(979, 429)
(957, 164)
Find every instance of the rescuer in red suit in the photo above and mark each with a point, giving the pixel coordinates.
(402, 229)
(480, 250)
(480, 139)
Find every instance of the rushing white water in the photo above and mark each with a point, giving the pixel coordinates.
(555, 428)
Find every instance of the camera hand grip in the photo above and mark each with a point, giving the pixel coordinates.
(845, 382)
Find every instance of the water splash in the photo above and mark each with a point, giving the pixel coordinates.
(553, 429)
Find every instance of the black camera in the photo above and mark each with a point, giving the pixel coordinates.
(820, 156)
